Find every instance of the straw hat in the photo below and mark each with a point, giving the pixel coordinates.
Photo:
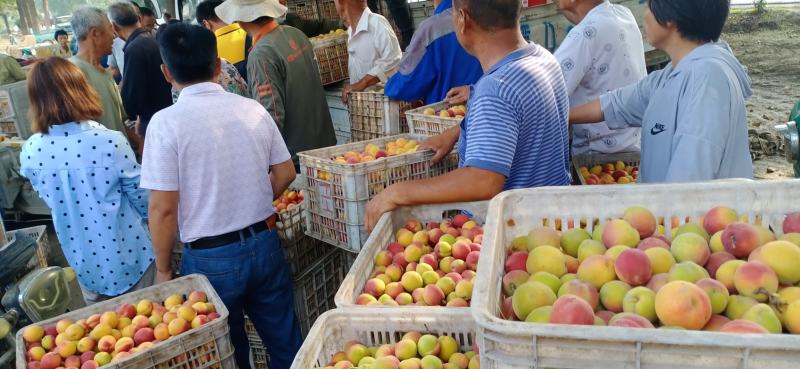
(231, 11)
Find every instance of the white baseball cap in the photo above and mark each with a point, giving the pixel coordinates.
(232, 11)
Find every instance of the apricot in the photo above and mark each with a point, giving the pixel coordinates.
(683, 304)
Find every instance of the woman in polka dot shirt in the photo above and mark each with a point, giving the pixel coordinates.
(88, 176)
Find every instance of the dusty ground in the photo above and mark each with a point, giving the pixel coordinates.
(767, 44)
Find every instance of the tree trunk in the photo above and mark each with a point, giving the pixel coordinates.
(48, 19)
(24, 20)
(34, 15)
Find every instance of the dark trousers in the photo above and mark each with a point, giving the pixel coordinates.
(251, 277)
(401, 13)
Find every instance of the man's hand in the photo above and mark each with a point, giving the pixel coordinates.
(346, 93)
(162, 277)
(442, 144)
(380, 204)
(458, 95)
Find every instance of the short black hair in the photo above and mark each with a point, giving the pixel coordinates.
(493, 15)
(205, 11)
(189, 52)
(146, 12)
(697, 20)
(60, 32)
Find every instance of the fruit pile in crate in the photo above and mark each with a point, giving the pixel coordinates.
(331, 54)
(621, 168)
(158, 326)
(434, 119)
(337, 192)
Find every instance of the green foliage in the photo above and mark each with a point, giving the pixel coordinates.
(761, 6)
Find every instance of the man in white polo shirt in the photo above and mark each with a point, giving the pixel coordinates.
(214, 162)
(373, 47)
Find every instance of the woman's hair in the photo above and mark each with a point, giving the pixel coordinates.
(697, 20)
(59, 93)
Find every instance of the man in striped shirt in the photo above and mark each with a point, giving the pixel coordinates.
(515, 132)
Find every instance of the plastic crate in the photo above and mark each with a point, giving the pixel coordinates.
(338, 193)
(374, 327)
(327, 9)
(507, 344)
(208, 346)
(384, 233)
(629, 158)
(38, 233)
(332, 56)
(257, 350)
(305, 9)
(430, 125)
(374, 115)
(315, 290)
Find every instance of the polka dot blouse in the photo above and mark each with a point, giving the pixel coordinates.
(88, 176)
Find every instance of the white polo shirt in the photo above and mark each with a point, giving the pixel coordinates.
(603, 52)
(215, 148)
(373, 48)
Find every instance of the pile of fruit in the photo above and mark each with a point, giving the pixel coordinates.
(414, 350)
(373, 152)
(456, 111)
(718, 274)
(431, 267)
(113, 335)
(288, 200)
(611, 173)
(331, 34)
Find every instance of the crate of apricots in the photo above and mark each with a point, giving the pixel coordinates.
(331, 54)
(620, 168)
(178, 324)
(340, 180)
(418, 256)
(431, 120)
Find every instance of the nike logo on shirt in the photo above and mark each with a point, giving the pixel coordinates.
(659, 128)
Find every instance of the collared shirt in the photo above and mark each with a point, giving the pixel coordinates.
(215, 148)
(232, 45)
(117, 58)
(61, 53)
(603, 52)
(373, 48)
(434, 62)
(113, 114)
(144, 88)
(693, 118)
(517, 119)
(284, 77)
(10, 70)
(88, 176)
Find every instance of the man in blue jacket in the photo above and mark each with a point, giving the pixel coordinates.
(434, 62)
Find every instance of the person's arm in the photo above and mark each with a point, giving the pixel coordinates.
(385, 41)
(575, 57)
(417, 71)
(163, 226)
(281, 176)
(281, 166)
(266, 86)
(441, 144)
(129, 175)
(587, 113)
(621, 108)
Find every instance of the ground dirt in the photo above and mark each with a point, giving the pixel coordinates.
(767, 44)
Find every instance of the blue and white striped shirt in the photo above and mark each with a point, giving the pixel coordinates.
(517, 121)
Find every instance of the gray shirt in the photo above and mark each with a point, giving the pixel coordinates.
(693, 118)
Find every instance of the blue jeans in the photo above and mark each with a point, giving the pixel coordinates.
(251, 276)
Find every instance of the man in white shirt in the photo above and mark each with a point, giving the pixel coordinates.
(116, 61)
(373, 47)
(214, 162)
(602, 53)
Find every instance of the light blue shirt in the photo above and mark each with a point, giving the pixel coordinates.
(693, 118)
(88, 176)
(516, 122)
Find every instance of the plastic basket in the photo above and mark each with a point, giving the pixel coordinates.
(305, 9)
(332, 56)
(430, 125)
(327, 9)
(38, 233)
(301, 251)
(257, 349)
(507, 344)
(338, 193)
(208, 346)
(373, 115)
(315, 290)
(384, 233)
(629, 158)
(373, 327)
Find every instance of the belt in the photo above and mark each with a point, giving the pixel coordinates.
(232, 237)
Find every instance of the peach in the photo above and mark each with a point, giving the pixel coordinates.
(87, 356)
(540, 315)
(86, 344)
(125, 344)
(178, 326)
(605, 315)
(127, 310)
(51, 360)
(661, 260)
(459, 360)
(144, 307)
(548, 259)
(755, 279)
(141, 321)
(629, 320)
(374, 287)
(692, 228)
(89, 364)
(110, 318)
(411, 281)
(620, 232)
(612, 295)
(507, 309)
(683, 304)
(435, 235)
(570, 309)
(458, 266)
(572, 264)
(448, 238)
(35, 353)
(642, 220)
(517, 261)
(589, 248)
(457, 302)
(48, 342)
(743, 326)
(571, 240)
(716, 260)
(633, 267)
(393, 289)
(690, 247)
(740, 239)
(447, 285)
(548, 279)
(726, 273)
(161, 332)
(385, 300)
(120, 356)
(106, 344)
(464, 289)
(404, 237)
(428, 345)
(765, 236)
(433, 295)
(431, 362)
(581, 289)
(512, 280)
(791, 224)
(403, 299)
(62, 325)
(102, 358)
(687, 271)
(718, 218)
(33, 333)
(214, 316)
(99, 331)
(791, 237)
(385, 278)
(173, 300)
(765, 316)
(417, 295)
(717, 294)
(791, 317)
(614, 252)
(597, 270)
(443, 249)
(519, 243)
(530, 296)
(406, 349)
(783, 257)
(413, 253)
(421, 238)
(92, 321)
(461, 250)
(474, 362)
(448, 346)
(651, 242)
(184, 312)
(383, 258)
(543, 236)
(715, 243)
(640, 301)
(715, 323)
(413, 363)
(738, 305)
(148, 334)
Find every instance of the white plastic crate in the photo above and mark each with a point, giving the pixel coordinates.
(375, 327)
(337, 194)
(588, 161)
(332, 58)
(430, 125)
(384, 233)
(374, 115)
(507, 344)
